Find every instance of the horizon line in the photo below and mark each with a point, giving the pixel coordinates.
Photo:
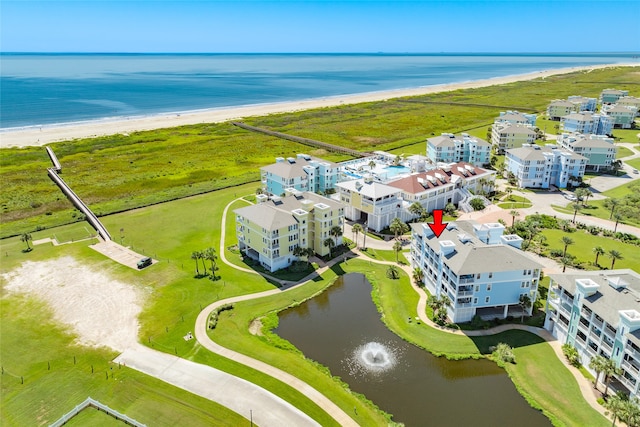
(322, 53)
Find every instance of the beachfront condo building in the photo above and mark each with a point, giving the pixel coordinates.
(303, 173)
(622, 117)
(435, 189)
(516, 118)
(559, 108)
(630, 101)
(541, 167)
(611, 96)
(506, 135)
(598, 313)
(587, 123)
(450, 148)
(270, 230)
(599, 150)
(370, 202)
(481, 270)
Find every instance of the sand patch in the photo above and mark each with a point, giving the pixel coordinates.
(101, 311)
(255, 327)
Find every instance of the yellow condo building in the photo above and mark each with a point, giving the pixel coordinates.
(270, 230)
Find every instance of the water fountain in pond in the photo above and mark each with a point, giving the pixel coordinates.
(375, 357)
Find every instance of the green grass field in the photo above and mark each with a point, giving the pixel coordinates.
(584, 244)
(623, 152)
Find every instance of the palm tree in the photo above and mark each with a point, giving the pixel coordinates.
(616, 166)
(298, 252)
(567, 241)
(328, 242)
(524, 303)
(397, 247)
(357, 228)
(210, 255)
(372, 164)
(631, 412)
(598, 250)
(514, 213)
(416, 209)
(617, 216)
(614, 255)
(418, 275)
(509, 190)
(612, 203)
(309, 252)
(195, 255)
(587, 194)
(597, 364)
(364, 237)
(566, 260)
(576, 207)
(336, 232)
(396, 226)
(26, 237)
(615, 406)
(609, 368)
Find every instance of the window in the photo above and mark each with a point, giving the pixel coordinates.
(488, 287)
(477, 288)
(478, 276)
(486, 300)
(475, 300)
(490, 275)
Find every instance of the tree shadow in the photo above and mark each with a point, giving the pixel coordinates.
(515, 338)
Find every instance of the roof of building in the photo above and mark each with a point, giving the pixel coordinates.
(628, 100)
(614, 91)
(583, 115)
(537, 152)
(275, 213)
(615, 108)
(576, 139)
(607, 301)
(437, 178)
(475, 256)
(449, 139)
(369, 188)
(512, 116)
(294, 168)
(561, 103)
(520, 128)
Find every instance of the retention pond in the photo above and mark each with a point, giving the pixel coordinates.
(341, 328)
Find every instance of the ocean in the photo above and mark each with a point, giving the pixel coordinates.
(46, 89)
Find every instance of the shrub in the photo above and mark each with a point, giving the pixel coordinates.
(477, 204)
(555, 253)
(571, 354)
(503, 353)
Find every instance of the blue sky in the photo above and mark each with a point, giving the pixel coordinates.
(320, 26)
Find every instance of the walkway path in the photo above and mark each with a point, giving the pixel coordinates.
(241, 396)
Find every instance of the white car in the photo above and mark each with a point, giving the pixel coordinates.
(635, 171)
(570, 197)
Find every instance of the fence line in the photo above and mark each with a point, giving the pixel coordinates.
(89, 402)
(305, 141)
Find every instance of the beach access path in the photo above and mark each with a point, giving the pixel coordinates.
(41, 135)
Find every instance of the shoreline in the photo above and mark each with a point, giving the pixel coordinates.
(45, 134)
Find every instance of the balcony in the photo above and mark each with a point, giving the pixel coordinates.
(630, 367)
(465, 293)
(464, 281)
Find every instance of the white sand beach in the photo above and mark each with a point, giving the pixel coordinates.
(37, 136)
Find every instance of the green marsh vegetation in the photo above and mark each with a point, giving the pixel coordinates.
(117, 173)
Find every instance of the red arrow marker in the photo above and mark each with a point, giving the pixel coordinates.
(437, 227)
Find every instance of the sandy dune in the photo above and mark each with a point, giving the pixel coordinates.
(99, 309)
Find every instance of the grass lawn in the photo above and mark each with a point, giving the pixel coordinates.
(623, 152)
(584, 243)
(515, 202)
(32, 342)
(626, 135)
(634, 163)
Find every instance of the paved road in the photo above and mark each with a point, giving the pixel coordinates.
(243, 397)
